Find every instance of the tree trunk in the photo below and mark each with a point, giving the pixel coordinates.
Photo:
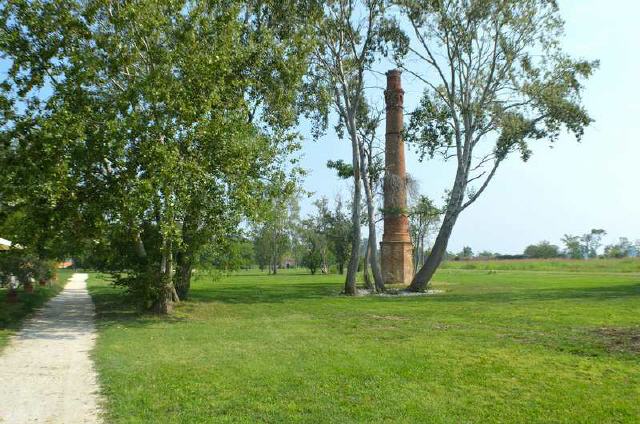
(354, 259)
(373, 256)
(182, 279)
(454, 206)
(164, 303)
(367, 278)
(371, 215)
(423, 277)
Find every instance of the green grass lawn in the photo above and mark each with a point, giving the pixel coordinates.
(13, 314)
(511, 346)
(569, 265)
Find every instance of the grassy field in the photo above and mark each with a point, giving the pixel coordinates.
(12, 315)
(565, 265)
(496, 346)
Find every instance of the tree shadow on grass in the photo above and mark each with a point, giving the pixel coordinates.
(257, 293)
(12, 315)
(263, 293)
(115, 307)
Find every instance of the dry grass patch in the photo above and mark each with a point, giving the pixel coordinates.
(623, 340)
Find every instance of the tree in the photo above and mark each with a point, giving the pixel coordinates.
(542, 250)
(573, 247)
(622, 249)
(339, 235)
(466, 253)
(496, 79)
(237, 254)
(315, 241)
(372, 171)
(273, 234)
(347, 42)
(167, 124)
(424, 217)
(591, 242)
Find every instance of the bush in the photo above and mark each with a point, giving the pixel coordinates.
(26, 267)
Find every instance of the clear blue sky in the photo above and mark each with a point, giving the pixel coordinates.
(569, 188)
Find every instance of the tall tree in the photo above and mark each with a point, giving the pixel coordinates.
(348, 39)
(167, 122)
(496, 79)
(573, 247)
(591, 242)
(372, 171)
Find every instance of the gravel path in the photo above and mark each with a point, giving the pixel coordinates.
(46, 375)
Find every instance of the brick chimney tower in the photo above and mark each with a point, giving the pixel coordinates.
(396, 255)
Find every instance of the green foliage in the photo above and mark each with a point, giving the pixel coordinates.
(275, 234)
(314, 233)
(339, 234)
(146, 128)
(622, 249)
(573, 248)
(424, 219)
(13, 314)
(313, 258)
(238, 255)
(542, 250)
(585, 246)
(591, 242)
(26, 267)
(344, 170)
(466, 253)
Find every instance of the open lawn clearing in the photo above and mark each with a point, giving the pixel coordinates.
(495, 347)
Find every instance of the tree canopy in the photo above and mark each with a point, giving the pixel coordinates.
(148, 129)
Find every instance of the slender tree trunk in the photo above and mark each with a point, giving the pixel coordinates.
(367, 278)
(371, 215)
(354, 259)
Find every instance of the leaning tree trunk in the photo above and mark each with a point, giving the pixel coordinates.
(422, 279)
(354, 259)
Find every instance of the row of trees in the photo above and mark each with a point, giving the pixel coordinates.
(142, 134)
(324, 237)
(584, 247)
(316, 242)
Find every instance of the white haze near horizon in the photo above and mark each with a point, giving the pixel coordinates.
(567, 188)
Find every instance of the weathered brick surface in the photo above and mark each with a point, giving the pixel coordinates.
(396, 255)
(397, 262)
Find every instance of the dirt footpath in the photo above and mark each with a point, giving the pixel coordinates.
(46, 374)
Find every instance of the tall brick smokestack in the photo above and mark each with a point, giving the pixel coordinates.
(396, 250)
